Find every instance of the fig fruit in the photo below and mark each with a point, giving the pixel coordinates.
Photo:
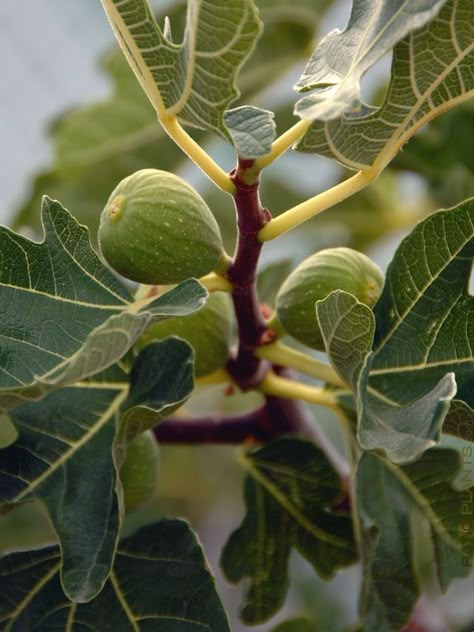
(156, 229)
(139, 471)
(209, 331)
(315, 278)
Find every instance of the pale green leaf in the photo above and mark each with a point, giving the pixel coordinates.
(403, 432)
(195, 79)
(341, 59)
(252, 130)
(432, 71)
(65, 314)
(67, 455)
(289, 493)
(388, 498)
(160, 582)
(348, 329)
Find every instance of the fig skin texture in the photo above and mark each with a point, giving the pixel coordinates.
(139, 471)
(314, 279)
(209, 331)
(157, 230)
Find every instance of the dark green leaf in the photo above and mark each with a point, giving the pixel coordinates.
(389, 497)
(460, 420)
(160, 582)
(402, 431)
(252, 130)
(431, 72)
(425, 324)
(194, 80)
(348, 330)
(64, 315)
(341, 59)
(289, 493)
(67, 455)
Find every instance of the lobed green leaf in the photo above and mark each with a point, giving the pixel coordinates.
(64, 314)
(71, 445)
(160, 581)
(388, 498)
(341, 59)
(432, 71)
(289, 492)
(405, 377)
(195, 79)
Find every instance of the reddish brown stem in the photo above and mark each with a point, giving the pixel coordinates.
(246, 369)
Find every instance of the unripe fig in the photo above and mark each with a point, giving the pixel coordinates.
(139, 471)
(315, 278)
(209, 331)
(156, 229)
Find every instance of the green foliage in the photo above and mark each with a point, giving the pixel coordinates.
(373, 30)
(427, 79)
(84, 318)
(389, 499)
(87, 368)
(140, 594)
(194, 80)
(72, 465)
(289, 493)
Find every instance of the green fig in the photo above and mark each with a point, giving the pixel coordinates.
(156, 229)
(314, 279)
(139, 471)
(209, 331)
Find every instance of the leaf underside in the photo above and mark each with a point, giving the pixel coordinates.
(193, 80)
(432, 71)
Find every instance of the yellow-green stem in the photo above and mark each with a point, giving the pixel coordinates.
(315, 205)
(197, 153)
(215, 283)
(284, 142)
(290, 389)
(280, 354)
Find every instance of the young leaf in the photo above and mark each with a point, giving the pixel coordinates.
(65, 315)
(403, 432)
(431, 72)
(195, 79)
(160, 581)
(388, 497)
(252, 130)
(66, 457)
(341, 59)
(289, 492)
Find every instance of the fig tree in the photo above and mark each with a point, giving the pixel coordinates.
(209, 331)
(156, 229)
(315, 278)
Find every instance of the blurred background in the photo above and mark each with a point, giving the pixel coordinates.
(74, 122)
